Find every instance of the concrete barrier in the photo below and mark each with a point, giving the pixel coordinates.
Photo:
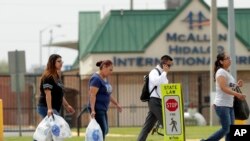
(197, 119)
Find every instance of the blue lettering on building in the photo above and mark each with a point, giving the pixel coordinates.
(187, 50)
(136, 61)
(191, 61)
(243, 60)
(191, 50)
(178, 61)
(192, 37)
(183, 55)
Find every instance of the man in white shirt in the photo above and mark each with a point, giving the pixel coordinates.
(154, 104)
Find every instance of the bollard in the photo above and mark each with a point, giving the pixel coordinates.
(240, 122)
(1, 120)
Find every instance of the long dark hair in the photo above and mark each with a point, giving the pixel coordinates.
(51, 70)
(217, 63)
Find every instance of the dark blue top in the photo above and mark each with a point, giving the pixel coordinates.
(103, 94)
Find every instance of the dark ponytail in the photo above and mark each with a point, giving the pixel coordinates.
(98, 64)
(217, 64)
(102, 63)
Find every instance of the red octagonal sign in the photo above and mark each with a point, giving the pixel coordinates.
(172, 105)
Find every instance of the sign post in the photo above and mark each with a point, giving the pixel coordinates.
(1, 120)
(173, 114)
(17, 70)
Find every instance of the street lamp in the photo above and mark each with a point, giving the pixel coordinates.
(50, 40)
(40, 40)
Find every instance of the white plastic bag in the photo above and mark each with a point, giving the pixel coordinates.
(93, 131)
(59, 128)
(42, 132)
(53, 127)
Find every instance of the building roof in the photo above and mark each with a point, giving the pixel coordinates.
(125, 31)
(242, 21)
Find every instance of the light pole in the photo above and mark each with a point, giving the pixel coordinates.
(41, 42)
(231, 38)
(213, 53)
(50, 40)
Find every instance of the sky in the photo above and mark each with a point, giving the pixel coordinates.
(22, 21)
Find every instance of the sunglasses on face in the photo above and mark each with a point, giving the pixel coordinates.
(227, 58)
(169, 65)
(59, 61)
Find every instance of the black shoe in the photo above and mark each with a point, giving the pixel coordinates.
(202, 140)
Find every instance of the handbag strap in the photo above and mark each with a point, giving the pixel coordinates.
(237, 89)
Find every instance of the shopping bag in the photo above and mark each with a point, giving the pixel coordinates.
(59, 128)
(93, 131)
(241, 108)
(52, 127)
(42, 132)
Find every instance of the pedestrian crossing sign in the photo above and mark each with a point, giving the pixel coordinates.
(173, 114)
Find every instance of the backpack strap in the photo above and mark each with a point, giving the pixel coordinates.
(155, 86)
(158, 71)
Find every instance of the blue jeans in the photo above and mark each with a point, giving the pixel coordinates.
(226, 116)
(42, 111)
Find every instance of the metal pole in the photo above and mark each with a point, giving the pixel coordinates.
(50, 40)
(41, 43)
(1, 120)
(18, 94)
(40, 47)
(131, 5)
(231, 37)
(213, 52)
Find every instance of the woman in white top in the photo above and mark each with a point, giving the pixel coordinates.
(223, 102)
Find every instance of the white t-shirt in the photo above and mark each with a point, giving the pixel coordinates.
(222, 98)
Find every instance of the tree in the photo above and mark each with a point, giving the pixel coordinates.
(4, 67)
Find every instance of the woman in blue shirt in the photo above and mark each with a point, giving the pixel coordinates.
(100, 95)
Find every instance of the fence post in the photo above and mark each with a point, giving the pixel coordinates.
(1, 120)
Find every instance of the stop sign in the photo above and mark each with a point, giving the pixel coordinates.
(171, 105)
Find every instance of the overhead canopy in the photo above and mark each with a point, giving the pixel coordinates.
(66, 44)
